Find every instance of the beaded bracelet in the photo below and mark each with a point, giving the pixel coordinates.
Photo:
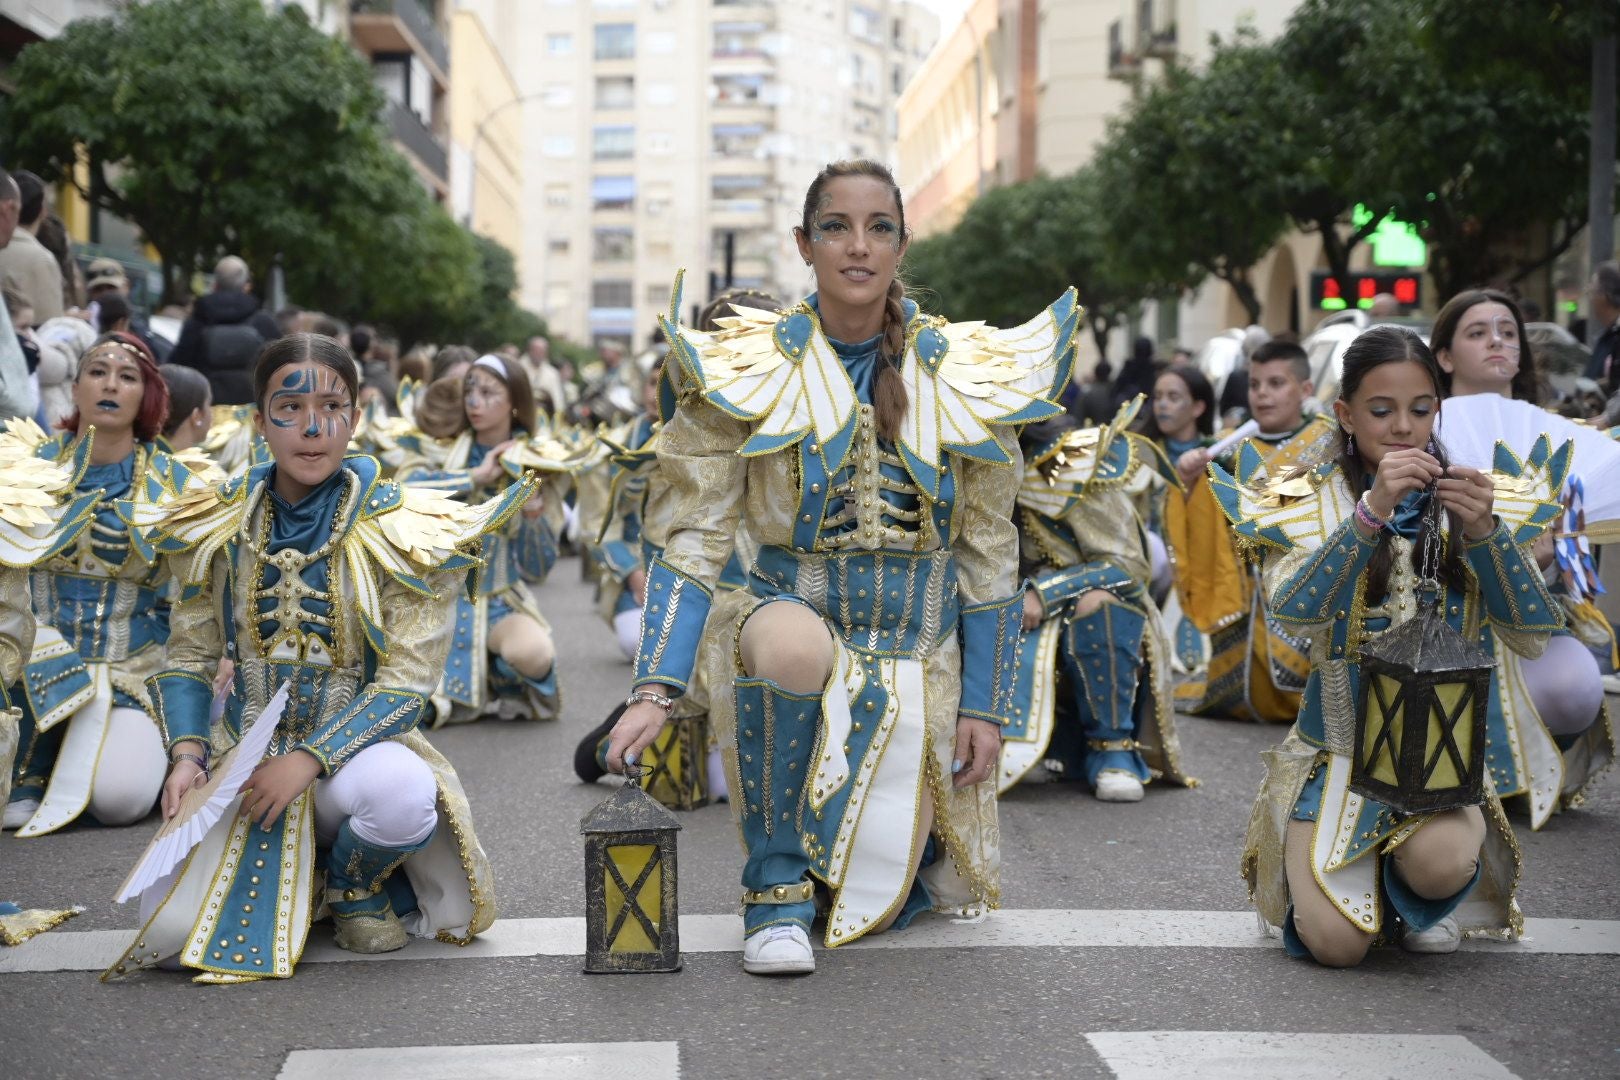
(1365, 515)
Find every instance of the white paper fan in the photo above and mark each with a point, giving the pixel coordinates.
(1471, 426)
(202, 807)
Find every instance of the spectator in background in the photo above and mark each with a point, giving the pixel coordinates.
(290, 319)
(112, 313)
(1384, 306)
(453, 361)
(190, 407)
(1604, 294)
(543, 374)
(416, 365)
(1180, 355)
(62, 341)
(54, 236)
(1137, 376)
(106, 278)
(25, 265)
(224, 334)
(1235, 394)
(17, 394)
(1095, 404)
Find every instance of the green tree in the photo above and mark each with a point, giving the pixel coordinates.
(1017, 247)
(212, 125)
(1468, 118)
(1186, 197)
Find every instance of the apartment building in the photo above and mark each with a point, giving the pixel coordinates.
(406, 42)
(661, 134)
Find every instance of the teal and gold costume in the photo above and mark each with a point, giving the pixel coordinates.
(1257, 665)
(100, 605)
(1168, 505)
(1079, 532)
(907, 551)
(522, 551)
(344, 596)
(1315, 574)
(40, 513)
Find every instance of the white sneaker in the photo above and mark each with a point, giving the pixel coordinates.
(18, 813)
(1116, 785)
(779, 950)
(1443, 937)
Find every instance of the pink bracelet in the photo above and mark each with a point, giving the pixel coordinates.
(1365, 515)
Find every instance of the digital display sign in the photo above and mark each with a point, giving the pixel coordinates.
(1326, 295)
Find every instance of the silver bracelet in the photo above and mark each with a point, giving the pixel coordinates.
(665, 703)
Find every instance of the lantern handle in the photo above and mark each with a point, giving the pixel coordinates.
(1429, 569)
(634, 771)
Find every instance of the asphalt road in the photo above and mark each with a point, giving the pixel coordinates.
(1009, 1009)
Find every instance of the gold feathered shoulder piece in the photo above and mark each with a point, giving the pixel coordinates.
(40, 512)
(184, 502)
(1082, 460)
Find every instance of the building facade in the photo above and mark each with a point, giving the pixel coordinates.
(406, 42)
(661, 134)
(485, 131)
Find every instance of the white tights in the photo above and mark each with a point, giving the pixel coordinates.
(1566, 686)
(627, 628)
(131, 770)
(385, 791)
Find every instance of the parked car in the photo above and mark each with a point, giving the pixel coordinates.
(1324, 348)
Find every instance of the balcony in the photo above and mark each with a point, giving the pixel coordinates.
(1156, 29)
(400, 26)
(1122, 63)
(420, 142)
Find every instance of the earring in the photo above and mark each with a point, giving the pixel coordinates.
(1431, 448)
(1350, 445)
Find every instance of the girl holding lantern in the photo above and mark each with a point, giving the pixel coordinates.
(313, 572)
(871, 451)
(1350, 546)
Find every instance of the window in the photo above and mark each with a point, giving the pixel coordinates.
(610, 142)
(558, 95)
(660, 42)
(658, 143)
(738, 39)
(613, 193)
(613, 243)
(661, 251)
(657, 295)
(615, 41)
(658, 200)
(557, 245)
(660, 93)
(559, 44)
(615, 92)
(613, 294)
(865, 24)
(557, 146)
(736, 140)
(739, 193)
(739, 89)
(558, 196)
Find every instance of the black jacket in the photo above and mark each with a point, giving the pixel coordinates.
(221, 339)
(1603, 351)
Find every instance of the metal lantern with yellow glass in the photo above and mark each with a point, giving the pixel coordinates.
(1421, 709)
(631, 898)
(677, 763)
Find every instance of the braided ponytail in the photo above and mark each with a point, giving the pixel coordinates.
(889, 390)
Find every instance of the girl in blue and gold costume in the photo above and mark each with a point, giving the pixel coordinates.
(1335, 870)
(88, 744)
(502, 659)
(313, 572)
(40, 515)
(1095, 692)
(871, 452)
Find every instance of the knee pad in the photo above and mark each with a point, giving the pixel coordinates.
(627, 628)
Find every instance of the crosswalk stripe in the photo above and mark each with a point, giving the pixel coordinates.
(1280, 1055)
(491, 1061)
(94, 950)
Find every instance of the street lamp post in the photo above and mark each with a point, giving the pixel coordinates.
(472, 152)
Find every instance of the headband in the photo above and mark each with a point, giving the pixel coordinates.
(493, 363)
(126, 346)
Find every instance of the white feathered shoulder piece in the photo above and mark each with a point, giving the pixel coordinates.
(40, 513)
(778, 371)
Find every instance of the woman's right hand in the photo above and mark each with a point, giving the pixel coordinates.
(635, 730)
(184, 775)
(1400, 473)
(490, 471)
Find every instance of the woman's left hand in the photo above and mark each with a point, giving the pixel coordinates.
(1471, 498)
(276, 783)
(978, 747)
